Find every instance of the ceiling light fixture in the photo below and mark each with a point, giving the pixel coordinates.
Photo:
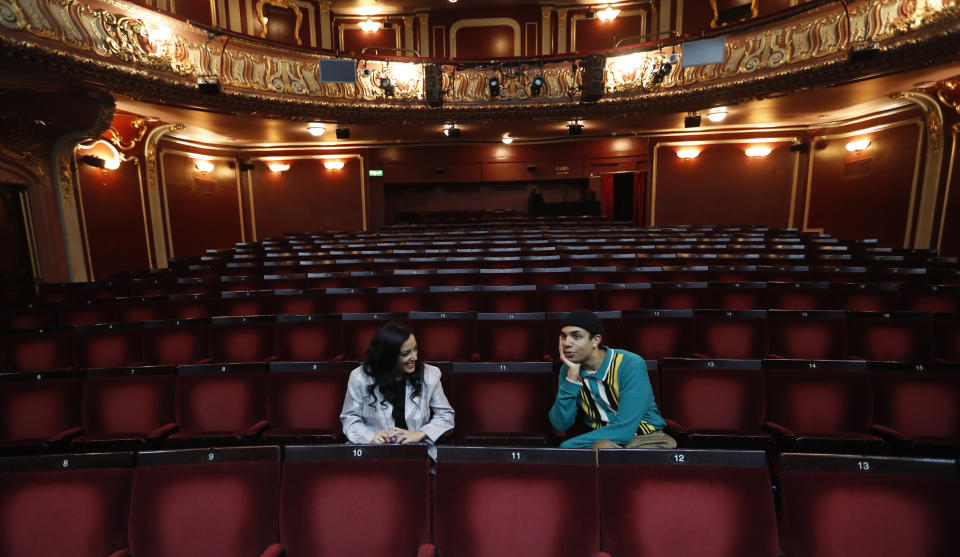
(688, 153)
(333, 164)
(278, 166)
(370, 26)
(316, 129)
(608, 14)
(858, 145)
(506, 139)
(758, 151)
(717, 115)
(204, 166)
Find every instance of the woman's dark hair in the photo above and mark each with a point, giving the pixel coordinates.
(381, 365)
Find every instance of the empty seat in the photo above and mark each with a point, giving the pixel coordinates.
(38, 410)
(946, 337)
(865, 296)
(917, 407)
(521, 501)
(109, 345)
(738, 335)
(656, 334)
(821, 406)
(567, 297)
(176, 341)
(624, 296)
(523, 391)
(903, 336)
(126, 408)
(37, 350)
(57, 505)
(868, 506)
(807, 334)
(304, 401)
(511, 337)
(401, 298)
(247, 302)
(714, 403)
(359, 328)
(446, 336)
(799, 296)
(144, 308)
(685, 502)
(88, 312)
(220, 404)
(736, 295)
(206, 502)
(455, 298)
(308, 338)
(29, 316)
(300, 301)
(679, 295)
(351, 300)
(510, 298)
(331, 495)
(242, 339)
(192, 306)
(931, 298)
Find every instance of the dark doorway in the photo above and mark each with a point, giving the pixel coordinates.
(15, 267)
(623, 196)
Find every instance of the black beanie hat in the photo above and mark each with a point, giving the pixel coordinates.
(585, 319)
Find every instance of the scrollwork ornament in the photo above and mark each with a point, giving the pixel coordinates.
(11, 16)
(65, 172)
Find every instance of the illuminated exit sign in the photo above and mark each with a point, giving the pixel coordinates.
(375, 173)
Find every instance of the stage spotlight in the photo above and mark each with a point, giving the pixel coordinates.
(494, 86)
(387, 86)
(662, 72)
(691, 120)
(94, 161)
(575, 128)
(209, 84)
(343, 132)
(536, 85)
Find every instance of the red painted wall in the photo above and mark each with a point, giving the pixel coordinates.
(494, 41)
(282, 26)
(354, 40)
(195, 11)
(723, 186)
(113, 219)
(203, 210)
(307, 198)
(864, 195)
(14, 258)
(589, 35)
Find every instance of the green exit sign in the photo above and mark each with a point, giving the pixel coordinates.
(375, 173)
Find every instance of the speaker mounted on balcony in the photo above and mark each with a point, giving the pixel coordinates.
(593, 67)
(431, 85)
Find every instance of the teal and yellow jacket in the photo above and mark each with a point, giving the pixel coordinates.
(616, 401)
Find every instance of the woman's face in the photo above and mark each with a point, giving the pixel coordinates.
(407, 361)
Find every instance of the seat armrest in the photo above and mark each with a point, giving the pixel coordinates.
(888, 433)
(427, 550)
(257, 429)
(601, 554)
(120, 553)
(675, 427)
(778, 429)
(64, 436)
(275, 550)
(163, 432)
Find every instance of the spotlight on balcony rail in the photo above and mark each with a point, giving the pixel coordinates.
(209, 84)
(451, 131)
(94, 161)
(575, 128)
(387, 86)
(343, 132)
(494, 85)
(691, 120)
(536, 86)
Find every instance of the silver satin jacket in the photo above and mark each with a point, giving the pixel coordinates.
(430, 412)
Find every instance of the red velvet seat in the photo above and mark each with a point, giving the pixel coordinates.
(109, 345)
(624, 296)
(656, 334)
(859, 506)
(714, 403)
(511, 337)
(686, 503)
(308, 338)
(37, 350)
(807, 335)
(304, 401)
(917, 407)
(143, 308)
(931, 298)
(865, 296)
(724, 334)
(679, 295)
(300, 301)
(176, 341)
(799, 296)
(900, 336)
(445, 336)
(491, 502)
(567, 297)
(87, 312)
(514, 298)
(330, 496)
(30, 316)
(455, 298)
(401, 299)
(219, 404)
(38, 410)
(359, 328)
(247, 302)
(57, 505)
(736, 295)
(243, 339)
(821, 407)
(351, 300)
(946, 337)
(126, 408)
(193, 306)
(206, 502)
(523, 391)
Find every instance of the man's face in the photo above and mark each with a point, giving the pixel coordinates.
(577, 343)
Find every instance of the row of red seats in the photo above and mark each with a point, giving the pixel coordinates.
(380, 501)
(469, 336)
(493, 299)
(785, 405)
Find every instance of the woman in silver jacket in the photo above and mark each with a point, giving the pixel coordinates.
(393, 397)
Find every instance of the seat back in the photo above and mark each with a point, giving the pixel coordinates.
(109, 345)
(656, 334)
(308, 338)
(730, 334)
(510, 337)
(221, 398)
(135, 401)
(37, 407)
(844, 505)
(696, 503)
(830, 398)
(331, 495)
(205, 502)
(807, 335)
(307, 396)
(242, 339)
(900, 336)
(713, 395)
(359, 328)
(445, 336)
(524, 392)
(176, 341)
(922, 403)
(37, 350)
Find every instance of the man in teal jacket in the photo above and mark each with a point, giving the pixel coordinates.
(609, 387)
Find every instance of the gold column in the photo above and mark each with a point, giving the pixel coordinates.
(546, 32)
(562, 30)
(326, 30)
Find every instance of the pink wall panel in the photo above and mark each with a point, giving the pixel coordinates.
(113, 218)
(307, 198)
(864, 195)
(723, 186)
(204, 209)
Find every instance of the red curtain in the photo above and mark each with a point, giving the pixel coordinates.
(606, 195)
(640, 198)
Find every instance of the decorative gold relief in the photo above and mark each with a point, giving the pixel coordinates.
(140, 124)
(283, 4)
(65, 171)
(716, 13)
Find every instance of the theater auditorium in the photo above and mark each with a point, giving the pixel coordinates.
(210, 207)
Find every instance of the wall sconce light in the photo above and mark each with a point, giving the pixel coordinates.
(333, 164)
(608, 14)
(278, 166)
(94, 161)
(717, 115)
(370, 26)
(758, 151)
(858, 145)
(204, 166)
(107, 156)
(688, 153)
(316, 129)
(506, 139)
